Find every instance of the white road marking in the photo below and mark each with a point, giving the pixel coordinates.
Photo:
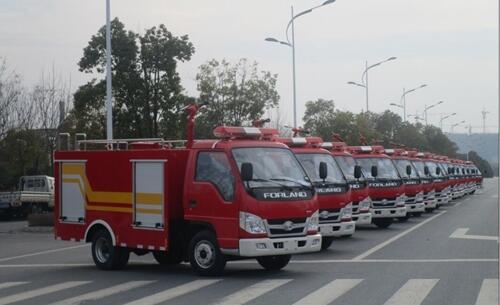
(42, 252)
(394, 238)
(461, 233)
(488, 294)
(247, 294)
(174, 292)
(28, 294)
(11, 284)
(413, 292)
(329, 293)
(102, 293)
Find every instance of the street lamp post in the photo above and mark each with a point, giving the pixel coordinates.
(455, 125)
(109, 93)
(364, 77)
(429, 107)
(403, 98)
(444, 118)
(291, 44)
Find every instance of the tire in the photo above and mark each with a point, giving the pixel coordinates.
(438, 206)
(205, 256)
(274, 263)
(404, 219)
(417, 214)
(105, 255)
(382, 223)
(167, 258)
(326, 242)
(429, 210)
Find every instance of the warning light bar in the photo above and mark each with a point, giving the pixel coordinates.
(229, 132)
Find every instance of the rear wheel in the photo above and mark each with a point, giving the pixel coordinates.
(105, 255)
(204, 254)
(274, 263)
(326, 242)
(382, 223)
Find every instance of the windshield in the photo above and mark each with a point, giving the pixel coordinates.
(311, 162)
(432, 169)
(444, 168)
(401, 165)
(386, 169)
(272, 166)
(419, 165)
(346, 164)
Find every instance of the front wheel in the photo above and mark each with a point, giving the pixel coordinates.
(417, 214)
(326, 242)
(382, 223)
(105, 255)
(405, 218)
(204, 254)
(274, 263)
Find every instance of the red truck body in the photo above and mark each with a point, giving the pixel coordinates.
(386, 189)
(188, 204)
(334, 194)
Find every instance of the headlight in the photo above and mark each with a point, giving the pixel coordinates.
(346, 212)
(419, 196)
(313, 222)
(252, 223)
(401, 200)
(365, 204)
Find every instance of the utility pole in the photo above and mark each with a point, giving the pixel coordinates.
(484, 113)
(109, 93)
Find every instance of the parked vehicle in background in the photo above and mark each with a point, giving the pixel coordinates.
(334, 195)
(360, 197)
(414, 191)
(419, 161)
(35, 195)
(439, 180)
(205, 202)
(386, 188)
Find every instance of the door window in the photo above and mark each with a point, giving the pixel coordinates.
(214, 167)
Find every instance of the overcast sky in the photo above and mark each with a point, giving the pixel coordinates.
(450, 45)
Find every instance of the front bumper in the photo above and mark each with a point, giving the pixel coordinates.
(337, 229)
(431, 203)
(388, 212)
(362, 218)
(255, 247)
(415, 207)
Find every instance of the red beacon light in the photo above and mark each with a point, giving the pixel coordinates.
(360, 149)
(314, 141)
(290, 142)
(378, 149)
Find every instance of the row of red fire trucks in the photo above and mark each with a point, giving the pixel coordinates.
(248, 193)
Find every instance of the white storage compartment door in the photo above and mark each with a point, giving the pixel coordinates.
(72, 191)
(148, 193)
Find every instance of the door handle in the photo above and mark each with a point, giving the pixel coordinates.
(192, 203)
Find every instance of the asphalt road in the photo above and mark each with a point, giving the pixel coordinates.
(447, 257)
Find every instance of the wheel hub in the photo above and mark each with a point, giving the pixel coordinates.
(204, 254)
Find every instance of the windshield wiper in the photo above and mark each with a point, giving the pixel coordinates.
(288, 188)
(291, 180)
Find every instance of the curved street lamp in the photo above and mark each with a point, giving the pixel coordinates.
(291, 44)
(429, 107)
(455, 125)
(403, 98)
(444, 118)
(364, 77)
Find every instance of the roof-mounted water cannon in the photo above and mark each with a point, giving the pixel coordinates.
(260, 122)
(337, 138)
(378, 149)
(298, 131)
(362, 139)
(360, 149)
(192, 110)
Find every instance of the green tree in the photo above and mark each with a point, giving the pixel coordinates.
(319, 117)
(236, 94)
(146, 86)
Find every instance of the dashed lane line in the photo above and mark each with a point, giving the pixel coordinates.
(329, 293)
(488, 294)
(39, 292)
(413, 292)
(394, 238)
(250, 293)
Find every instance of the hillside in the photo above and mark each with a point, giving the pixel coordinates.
(485, 144)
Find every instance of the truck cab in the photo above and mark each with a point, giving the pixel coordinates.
(414, 191)
(386, 188)
(334, 194)
(439, 180)
(419, 161)
(200, 201)
(360, 198)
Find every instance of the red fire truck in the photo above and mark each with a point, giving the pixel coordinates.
(386, 188)
(440, 180)
(360, 197)
(207, 202)
(459, 188)
(334, 195)
(419, 161)
(414, 192)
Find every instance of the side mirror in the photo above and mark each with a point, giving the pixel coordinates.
(374, 171)
(323, 170)
(357, 171)
(408, 170)
(426, 170)
(246, 171)
(449, 170)
(438, 171)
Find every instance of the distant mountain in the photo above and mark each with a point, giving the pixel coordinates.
(485, 144)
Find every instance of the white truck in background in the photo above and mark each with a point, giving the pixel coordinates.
(35, 195)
